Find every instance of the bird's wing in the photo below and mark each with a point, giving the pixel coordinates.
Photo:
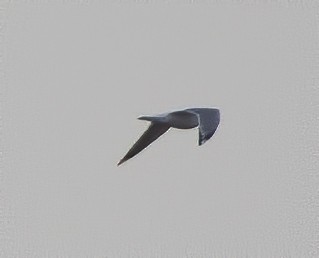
(208, 120)
(154, 131)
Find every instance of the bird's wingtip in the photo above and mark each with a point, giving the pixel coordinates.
(120, 162)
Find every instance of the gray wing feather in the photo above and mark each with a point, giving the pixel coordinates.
(208, 120)
(154, 131)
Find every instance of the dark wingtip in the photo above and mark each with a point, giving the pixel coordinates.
(201, 142)
(203, 139)
(121, 162)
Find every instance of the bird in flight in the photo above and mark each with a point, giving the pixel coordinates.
(207, 120)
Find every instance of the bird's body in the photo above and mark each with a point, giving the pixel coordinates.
(177, 119)
(207, 120)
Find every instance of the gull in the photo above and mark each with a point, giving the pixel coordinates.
(207, 120)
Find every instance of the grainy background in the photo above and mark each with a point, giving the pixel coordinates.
(76, 74)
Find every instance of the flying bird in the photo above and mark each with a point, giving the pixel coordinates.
(207, 120)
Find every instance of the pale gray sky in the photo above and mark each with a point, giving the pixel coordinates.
(76, 75)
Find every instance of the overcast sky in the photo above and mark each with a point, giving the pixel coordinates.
(76, 75)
